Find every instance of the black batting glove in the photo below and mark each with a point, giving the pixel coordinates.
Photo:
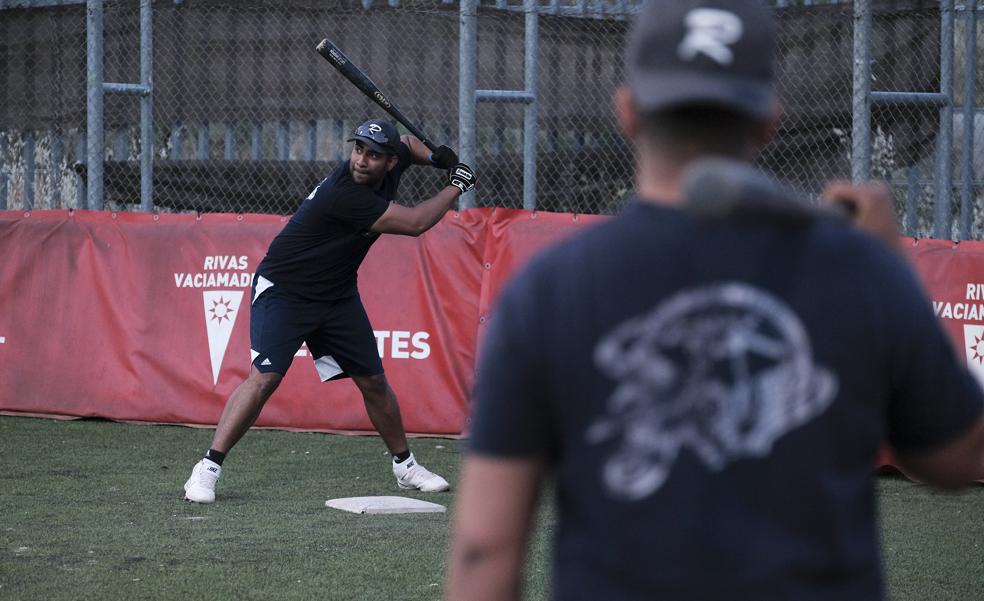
(462, 177)
(444, 158)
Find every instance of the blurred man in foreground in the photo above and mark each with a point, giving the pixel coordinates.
(710, 394)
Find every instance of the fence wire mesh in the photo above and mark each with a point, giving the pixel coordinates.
(42, 105)
(906, 137)
(248, 117)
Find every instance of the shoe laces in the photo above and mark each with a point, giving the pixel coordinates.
(417, 472)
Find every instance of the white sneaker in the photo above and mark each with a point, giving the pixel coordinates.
(200, 487)
(412, 475)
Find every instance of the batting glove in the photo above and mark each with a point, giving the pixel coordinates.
(462, 177)
(444, 158)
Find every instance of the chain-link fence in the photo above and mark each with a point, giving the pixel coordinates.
(248, 117)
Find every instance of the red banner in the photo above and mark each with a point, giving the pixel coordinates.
(141, 317)
(953, 274)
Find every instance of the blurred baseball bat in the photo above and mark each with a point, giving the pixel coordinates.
(337, 58)
(728, 189)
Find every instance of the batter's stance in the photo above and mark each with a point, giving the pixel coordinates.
(305, 290)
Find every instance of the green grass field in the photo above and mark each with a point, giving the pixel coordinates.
(93, 510)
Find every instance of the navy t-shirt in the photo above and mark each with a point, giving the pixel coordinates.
(713, 398)
(318, 253)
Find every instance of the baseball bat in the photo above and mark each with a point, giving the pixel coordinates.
(354, 74)
(727, 189)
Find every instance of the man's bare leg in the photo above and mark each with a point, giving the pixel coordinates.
(383, 410)
(240, 413)
(384, 413)
(243, 407)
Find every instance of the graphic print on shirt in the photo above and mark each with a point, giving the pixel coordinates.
(722, 370)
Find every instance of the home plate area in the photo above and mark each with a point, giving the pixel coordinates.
(373, 505)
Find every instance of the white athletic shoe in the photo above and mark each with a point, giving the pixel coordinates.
(412, 475)
(200, 487)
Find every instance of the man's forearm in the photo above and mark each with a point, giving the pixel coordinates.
(419, 153)
(492, 520)
(481, 573)
(431, 210)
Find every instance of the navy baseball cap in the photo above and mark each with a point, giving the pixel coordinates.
(703, 52)
(378, 134)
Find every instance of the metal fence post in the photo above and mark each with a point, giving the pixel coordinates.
(147, 106)
(967, 158)
(530, 133)
(942, 219)
(81, 144)
(3, 171)
(861, 113)
(95, 150)
(526, 96)
(467, 59)
(56, 159)
(30, 147)
(911, 217)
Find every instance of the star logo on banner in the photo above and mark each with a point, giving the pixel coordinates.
(976, 348)
(221, 309)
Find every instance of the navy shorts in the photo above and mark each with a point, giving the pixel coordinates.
(337, 333)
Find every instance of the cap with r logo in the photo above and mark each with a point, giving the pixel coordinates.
(703, 52)
(378, 134)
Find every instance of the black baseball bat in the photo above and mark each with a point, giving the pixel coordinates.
(337, 58)
(728, 189)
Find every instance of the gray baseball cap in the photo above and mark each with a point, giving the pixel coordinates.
(378, 134)
(703, 52)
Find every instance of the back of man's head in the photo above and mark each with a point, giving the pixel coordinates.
(704, 68)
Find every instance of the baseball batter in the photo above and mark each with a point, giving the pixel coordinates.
(305, 290)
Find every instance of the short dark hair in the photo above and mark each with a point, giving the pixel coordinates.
(700, 129)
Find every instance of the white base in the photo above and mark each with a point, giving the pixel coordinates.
(384, 505)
